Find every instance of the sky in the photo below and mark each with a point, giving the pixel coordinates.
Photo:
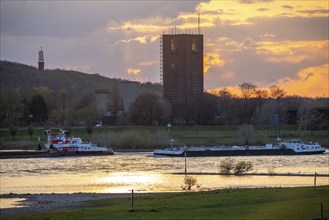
(264, 42)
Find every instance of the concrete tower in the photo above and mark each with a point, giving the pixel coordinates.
(41, 63)
(182, 69)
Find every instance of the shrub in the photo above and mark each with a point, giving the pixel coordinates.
(229, 165)
(189, 182)
(243, 167)
(226, 166)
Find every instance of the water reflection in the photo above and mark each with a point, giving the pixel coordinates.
(145, 173)
(121, 182)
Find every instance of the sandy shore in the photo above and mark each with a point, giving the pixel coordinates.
(41, 203)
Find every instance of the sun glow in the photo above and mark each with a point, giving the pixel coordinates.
(122, 182)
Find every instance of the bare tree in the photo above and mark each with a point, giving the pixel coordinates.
(277, 92)
(261, 93)
(247, 89)
(224, 93)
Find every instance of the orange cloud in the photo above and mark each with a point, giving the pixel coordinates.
(311, 82)
(132, 71)
(212, 59)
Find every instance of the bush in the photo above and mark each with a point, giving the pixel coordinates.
(226, 166)
(189, 182)
(243, 167)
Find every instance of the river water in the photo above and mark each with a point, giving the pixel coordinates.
(144, 172)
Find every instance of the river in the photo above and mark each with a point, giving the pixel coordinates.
(144, 172)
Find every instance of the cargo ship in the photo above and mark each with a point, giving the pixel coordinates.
(287, 147)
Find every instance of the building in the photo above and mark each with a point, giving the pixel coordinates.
(103, 97)
(129, 94)
(41, 62)
(181, 63)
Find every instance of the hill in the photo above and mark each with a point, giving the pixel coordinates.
(16, 75)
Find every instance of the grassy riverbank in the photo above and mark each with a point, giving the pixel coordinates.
(150, 137)
(266, 203)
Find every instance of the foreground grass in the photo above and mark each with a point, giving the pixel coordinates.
(275, 203)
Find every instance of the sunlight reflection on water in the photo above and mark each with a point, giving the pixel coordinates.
(142, 172)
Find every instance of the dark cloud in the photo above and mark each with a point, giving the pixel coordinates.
(76, 18)
(287, 7)
(291, 28)
(263, 9)
(312, 12)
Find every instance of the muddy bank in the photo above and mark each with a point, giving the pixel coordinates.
(42, 203)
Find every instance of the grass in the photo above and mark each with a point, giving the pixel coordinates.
(265, 203)
(150, 137)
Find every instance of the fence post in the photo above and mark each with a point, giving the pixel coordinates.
(132, 200)
(315, 180)
(185, 163)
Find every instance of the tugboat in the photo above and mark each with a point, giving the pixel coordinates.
(288, 147)
(73, 146)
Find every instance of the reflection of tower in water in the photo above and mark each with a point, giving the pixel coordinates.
(41, 63)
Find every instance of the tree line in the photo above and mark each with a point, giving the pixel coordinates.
(42, 106)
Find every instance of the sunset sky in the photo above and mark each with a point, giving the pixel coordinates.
(264, 42)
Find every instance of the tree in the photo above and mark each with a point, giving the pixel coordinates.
(65, 106)
(262, 94)
(38, 109)
(47, 94)
(276, 92)
(13, 131)
(247, 89)
(224, 93)
(30, 131)
(11, 108)
(149, 109)
(309, 116)
(85, 110)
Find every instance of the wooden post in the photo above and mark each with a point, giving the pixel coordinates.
(185, 162)
(132, 200)
(322, 216)
(315, 180)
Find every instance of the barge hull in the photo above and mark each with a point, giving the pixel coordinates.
(209, 153)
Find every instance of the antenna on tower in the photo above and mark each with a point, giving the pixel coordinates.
(198, 23)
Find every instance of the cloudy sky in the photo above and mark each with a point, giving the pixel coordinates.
(264, 42)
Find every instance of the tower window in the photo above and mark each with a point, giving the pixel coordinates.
(172, 46)
(194, 46)
(173, 66)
